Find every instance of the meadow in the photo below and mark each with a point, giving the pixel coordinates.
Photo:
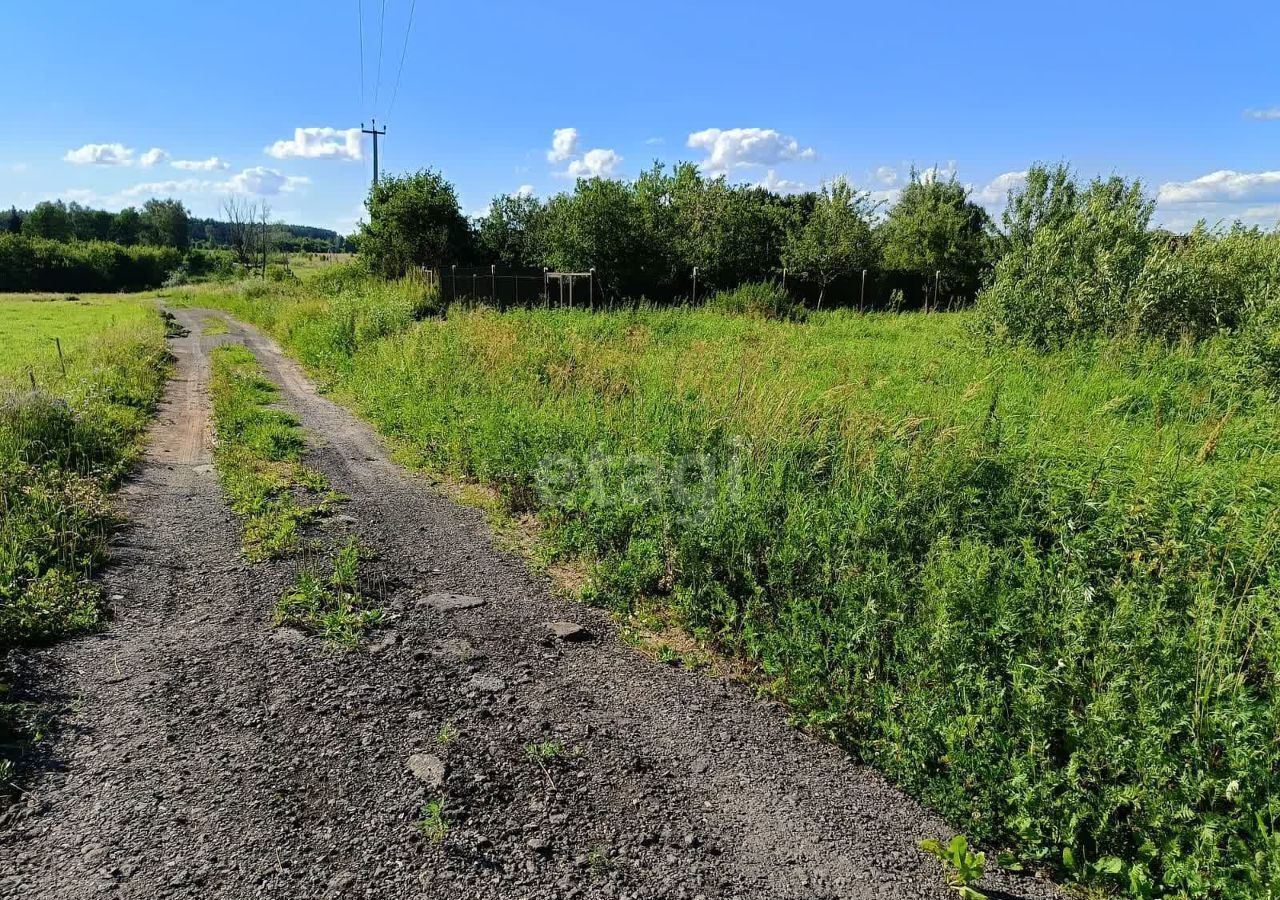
(1036, 588)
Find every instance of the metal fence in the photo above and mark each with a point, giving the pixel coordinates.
(870, 290)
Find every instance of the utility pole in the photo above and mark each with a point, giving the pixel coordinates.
(375, 132)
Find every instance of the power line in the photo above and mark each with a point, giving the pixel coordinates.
(382, 30)
(360, 14)
(396, 93)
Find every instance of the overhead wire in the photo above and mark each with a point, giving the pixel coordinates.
(403, 51)
(382, 30)
(360, 26)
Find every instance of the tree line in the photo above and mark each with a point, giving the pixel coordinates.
(159, 223)
(644, 237)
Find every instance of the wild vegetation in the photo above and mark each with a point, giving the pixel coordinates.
(78, 382)
(1026, 566)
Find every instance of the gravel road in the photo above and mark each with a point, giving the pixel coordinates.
(205, 753)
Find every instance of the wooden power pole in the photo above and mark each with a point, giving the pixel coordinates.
(375, 132)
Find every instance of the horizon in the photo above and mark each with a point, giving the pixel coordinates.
(108, 134)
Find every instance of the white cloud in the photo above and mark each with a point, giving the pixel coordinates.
(772, 182)
(655, 141)
(211, 164)
(17, 168)
(319, 143)
(100, 155)
(1271, 112)
(258, 180)
(594, 164)
(996, 191)
(166, 188)
(734, 148)
(938, 173)
(525, 190)
(1222, 185)
(152, 157)
(564, 144)
(263, 182)
(887, 175)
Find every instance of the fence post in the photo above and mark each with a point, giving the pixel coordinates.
(546, 292)
(591, 288)
(493, 285)
(784, 279)
(862, 297)
(694, 301)
(475, 288)
(937, 286)
(454, 298)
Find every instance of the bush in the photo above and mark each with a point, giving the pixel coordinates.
(1206, 282)
(765, 299)
(1072, 260)
(35, 264)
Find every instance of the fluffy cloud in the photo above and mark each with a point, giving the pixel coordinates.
(166, 188)
(320, 143)
(100, 155)
(525, 190)
(1271, 112)
(772, 182)
(594, 164)
(211, 164)
(263, 182)
(1222, 185)
(734, 148)
(259, 181)
(887, 175)
(152, 157)
(996, 191)
(564, 145)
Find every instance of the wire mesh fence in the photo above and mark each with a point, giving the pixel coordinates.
(869, 290)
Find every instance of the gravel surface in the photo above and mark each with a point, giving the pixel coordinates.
(205, 753)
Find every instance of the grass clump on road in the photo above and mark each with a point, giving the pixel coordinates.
(333, 606)
(259, 457)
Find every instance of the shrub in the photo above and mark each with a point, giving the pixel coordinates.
(35, 264)
(766, 299)
(1206, 282)
(1072, 259)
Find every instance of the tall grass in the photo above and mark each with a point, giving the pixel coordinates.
(1039, 590)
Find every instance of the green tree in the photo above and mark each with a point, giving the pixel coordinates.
(90, 224)
(166, 223)
(11, 221)
(1073, 257)
(512, 234)
(414, 220)
(126, 228)
(836, 240)
(50, 220)
(933, 227)
(602, 225)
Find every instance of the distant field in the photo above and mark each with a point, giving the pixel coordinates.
(30, 322)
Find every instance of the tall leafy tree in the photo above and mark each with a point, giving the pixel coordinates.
(166, 223)
(836, 240)
(414, 220)
(50, 220)
(513, 233)
(11, 221)
(126, 227)
(933, 227)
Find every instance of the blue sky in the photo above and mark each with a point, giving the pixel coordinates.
(111, 102)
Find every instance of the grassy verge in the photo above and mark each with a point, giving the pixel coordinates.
(1039, 590)
(259, 457)
(79, 380)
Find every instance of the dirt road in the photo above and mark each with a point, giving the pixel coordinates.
(204, 753)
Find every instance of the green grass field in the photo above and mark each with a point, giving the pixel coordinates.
(1039, 590)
